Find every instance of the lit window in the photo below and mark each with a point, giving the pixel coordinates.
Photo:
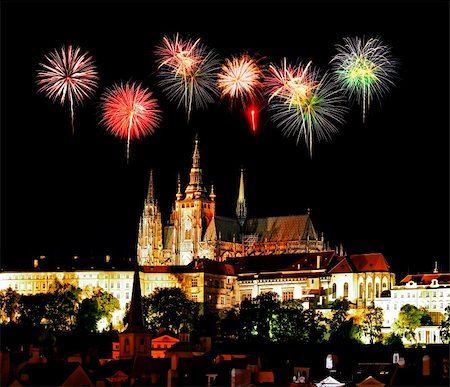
(194, 282)
(288, 295)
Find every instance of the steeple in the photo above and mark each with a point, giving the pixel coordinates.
(135, 316)
(195, 189)
(151, 190)
(241, 207)
(179, 194)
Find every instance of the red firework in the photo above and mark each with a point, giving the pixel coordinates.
(130, 112)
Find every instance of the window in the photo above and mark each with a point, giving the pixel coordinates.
(127, 295)
(346, 290)
(361, 290)
(194, 282)
(222, 300)
(369, 290)
(127, 346)
(387, 306)
(246, 296)
(377, 290)
(195, 297)
(288, 294)
(334, 291)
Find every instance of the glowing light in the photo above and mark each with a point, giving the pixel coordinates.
(240, 79)
(68, 75)
(365, 69)
(129, 111)
(187, 70)
(252, 115)
(302, 103)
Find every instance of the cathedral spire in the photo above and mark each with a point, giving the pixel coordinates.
(179, 194)
(195, 189)
(241, 207)
(151, 189)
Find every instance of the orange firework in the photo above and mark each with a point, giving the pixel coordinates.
(240, 79)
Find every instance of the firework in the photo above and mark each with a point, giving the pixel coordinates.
(365, 69)
(129, 111)
(240, 79)
(303, 103)
(187, 70)
(69, 76)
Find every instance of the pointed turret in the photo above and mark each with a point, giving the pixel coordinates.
(241, 207)
(179, 194)
(195, 189)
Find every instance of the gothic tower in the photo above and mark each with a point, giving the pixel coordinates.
(135, 340)
(150, 240)
(192, 216)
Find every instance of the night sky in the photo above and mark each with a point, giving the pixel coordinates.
(379, 186)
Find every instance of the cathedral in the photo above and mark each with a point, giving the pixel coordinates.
(196, 231)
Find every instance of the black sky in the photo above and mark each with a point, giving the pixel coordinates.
(382, 186)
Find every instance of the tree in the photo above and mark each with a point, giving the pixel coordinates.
(267, 308)
(445, 326)
(229, 324)
(101, 305)
(9, 305)
(169, 308)
(315, 324)
(339, 310)
(62, 306)
(409, 319)
(372, 324)
(289, 325)
(32, 309)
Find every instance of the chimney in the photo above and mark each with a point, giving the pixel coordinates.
(318, 262)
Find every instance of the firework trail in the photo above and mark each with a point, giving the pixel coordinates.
(365, 69)
(240, 79)
(187, 70)
(129, 111)
(68, 75)
(302, 103)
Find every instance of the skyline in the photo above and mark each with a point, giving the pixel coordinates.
(378, 186)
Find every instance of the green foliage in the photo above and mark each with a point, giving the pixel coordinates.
(101, 305)
(339, 310)
(267, 308)
(445, 326)
(229, 324)
(410, 318)
(9, 305)
(393, 339)
(32, 309)
(315, 325)
(289, 325)
(169, 308)
(372, 324)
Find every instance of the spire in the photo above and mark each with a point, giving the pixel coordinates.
(195, 188)
(135, 315)
(435, 270)
(151, 190)
(212, 195)
(179, 194)
(241, 207)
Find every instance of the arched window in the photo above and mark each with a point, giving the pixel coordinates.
(377, 290)
(345, 289)
(334, 291)
(361, 290)
(369, 290)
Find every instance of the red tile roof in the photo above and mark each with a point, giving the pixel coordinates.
(425, 279)
(369, 262)
(342, 266)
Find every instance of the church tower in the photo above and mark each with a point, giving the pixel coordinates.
(135, 340)
(192, 215)
(241, 206)
(150, 241)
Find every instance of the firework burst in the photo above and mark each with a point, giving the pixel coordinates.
(303, 103)
(69, 76)
(187, 70)
(240, 79)
(365, 69)
(130, 112)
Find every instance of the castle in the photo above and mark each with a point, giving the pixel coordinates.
(196, 231)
